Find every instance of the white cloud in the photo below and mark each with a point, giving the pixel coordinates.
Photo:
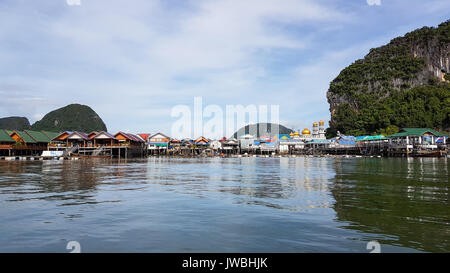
(374, 2)
(146, 56)
(73, 2)
(108, 54)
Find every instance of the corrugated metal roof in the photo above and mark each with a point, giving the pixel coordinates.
(144, 136)
(318, 141)
(51, 135)
(134, 138)
(371, 138)
(416, 132)
(160, 144)
(5, 137)
(38, 136)
(60, 134)
(26, 137)
(201, 139)
(130, 136)
(92, 134)
(127, 136)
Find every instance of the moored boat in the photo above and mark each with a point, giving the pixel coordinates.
(427, 153)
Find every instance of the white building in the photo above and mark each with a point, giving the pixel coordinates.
(215, 145)
(247, 142)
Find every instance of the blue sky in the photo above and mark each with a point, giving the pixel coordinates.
(133, 61)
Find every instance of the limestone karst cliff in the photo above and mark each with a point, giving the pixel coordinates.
(73, 117)
(402, 84)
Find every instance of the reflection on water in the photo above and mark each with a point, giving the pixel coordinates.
(277, 183)
(407, 199)
(235, 204)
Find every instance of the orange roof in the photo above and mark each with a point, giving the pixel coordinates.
(92, 134)
(127, 136)
(62, 136)
(144, 136)
(201, 139)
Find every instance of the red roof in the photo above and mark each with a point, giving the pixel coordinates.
(144, 136)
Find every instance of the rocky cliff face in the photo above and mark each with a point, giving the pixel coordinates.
(420, 58)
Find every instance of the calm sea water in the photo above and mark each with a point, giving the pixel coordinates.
(226, 205)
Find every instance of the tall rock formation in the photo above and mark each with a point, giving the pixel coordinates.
(402, 84)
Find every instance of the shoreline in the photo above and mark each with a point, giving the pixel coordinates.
(40, 158)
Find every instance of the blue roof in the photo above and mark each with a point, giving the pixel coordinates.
(346, 142)
(284, 135)
(318, 141)
(291, 140)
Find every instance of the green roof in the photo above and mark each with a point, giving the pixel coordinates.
(160, 144)
(51, 135)
(26, 137)
(38, 136)
(4, 137)
(371, 138)
(416, 132)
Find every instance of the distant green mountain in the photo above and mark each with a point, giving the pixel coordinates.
(73, 117)
(262, 129)
(14, 123)
(405, 83)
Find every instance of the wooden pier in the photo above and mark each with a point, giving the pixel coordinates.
(385, 149)
(34, 158)
(103, 151)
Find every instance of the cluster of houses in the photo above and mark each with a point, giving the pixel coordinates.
(45, 143)
(408, 141)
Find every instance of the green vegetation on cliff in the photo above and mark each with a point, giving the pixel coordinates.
(14, 123)
(423, 106)
(74, 117)
(394, 86)
(377, 72)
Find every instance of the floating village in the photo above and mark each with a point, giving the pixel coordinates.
(42, 145)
